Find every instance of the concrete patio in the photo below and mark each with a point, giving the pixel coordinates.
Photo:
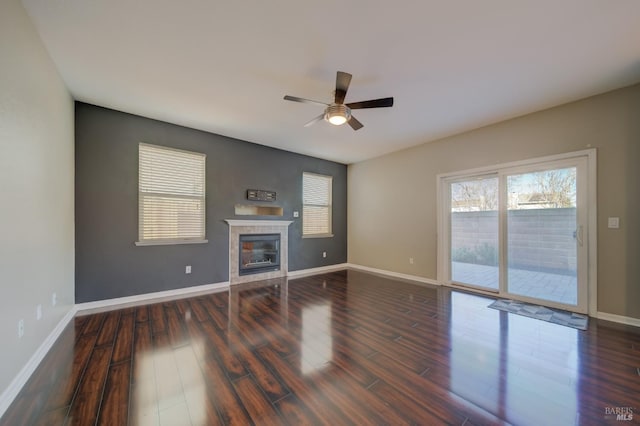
(541, 285)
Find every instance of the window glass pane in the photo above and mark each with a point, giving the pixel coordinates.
(171, 194)
(542, 235)
(315, 220)
(474, 232)
(316, 209)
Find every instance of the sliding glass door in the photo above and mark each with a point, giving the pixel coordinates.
(520, 231)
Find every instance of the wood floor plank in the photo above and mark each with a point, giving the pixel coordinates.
(379, 410)
(142, 353)
(201, 409)
(55, 365)
(142, 313)
(293, 412)
(183, 308)
(24, 411)
(261, 330)
(177, 414)
(220, 318)
(123, 346)
(79, 323)
(270, 384)
(314, 400)
(143, 408)
(51, 418)
(92, 324)
(219, 300)
(255, 402)
(168, 380)
(84, 409)
(441, 402)
(198, 310)
(417, 413)
(228, 358)
(346, 406)
(158, 321)
(175, 325)
(107, 332)
(223, 396)
(277, 334)
(114, 409)
(68, 383)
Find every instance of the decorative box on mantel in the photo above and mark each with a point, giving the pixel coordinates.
(256, 227)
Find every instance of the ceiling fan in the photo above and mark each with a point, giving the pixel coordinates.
(338, 112)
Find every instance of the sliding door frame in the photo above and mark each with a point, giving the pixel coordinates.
(590, 237)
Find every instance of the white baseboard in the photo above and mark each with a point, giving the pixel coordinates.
(315, 271)
(141, 299)
(11, 392)
(406, 277)
(618, 318)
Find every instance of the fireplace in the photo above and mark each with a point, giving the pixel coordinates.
(239, 227)
(259, 253)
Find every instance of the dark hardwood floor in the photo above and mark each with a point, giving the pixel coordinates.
(334, 349)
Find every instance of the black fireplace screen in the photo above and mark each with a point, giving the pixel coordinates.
(259, 253)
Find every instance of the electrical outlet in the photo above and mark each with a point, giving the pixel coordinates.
(187, 269)
(21, 328)
(54, 299)
(411, 260)
(324, 254)
(296, 214)
(38, 312)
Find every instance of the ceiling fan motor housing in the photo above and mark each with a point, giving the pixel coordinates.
(337, 114)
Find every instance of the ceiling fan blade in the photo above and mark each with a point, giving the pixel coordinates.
(315, 120)
(355, 124)
(343, 79)
(374, 103)
(303, 100)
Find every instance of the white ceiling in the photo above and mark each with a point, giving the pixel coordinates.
(451, 65)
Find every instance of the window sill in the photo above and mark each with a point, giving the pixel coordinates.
(318, 236)
(169, 242)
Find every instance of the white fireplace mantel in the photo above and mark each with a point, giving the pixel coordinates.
(241, 222)
(238, 227)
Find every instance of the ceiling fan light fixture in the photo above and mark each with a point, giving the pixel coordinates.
(337, 114)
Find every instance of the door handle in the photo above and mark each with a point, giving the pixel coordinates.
(578, 235)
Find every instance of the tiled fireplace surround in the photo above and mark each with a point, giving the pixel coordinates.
(252, 227)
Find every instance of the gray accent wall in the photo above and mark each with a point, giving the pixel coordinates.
(110, 265)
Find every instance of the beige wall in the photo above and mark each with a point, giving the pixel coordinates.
(36, 192)
(392, 199)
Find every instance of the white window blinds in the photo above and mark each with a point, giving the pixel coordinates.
(171, 195)
(316, 205)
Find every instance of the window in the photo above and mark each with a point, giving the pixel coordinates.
(316, 205)
(171, 196)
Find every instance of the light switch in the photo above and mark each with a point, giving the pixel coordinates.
(614, 222)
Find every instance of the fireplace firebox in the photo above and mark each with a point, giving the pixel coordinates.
(259, 253)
